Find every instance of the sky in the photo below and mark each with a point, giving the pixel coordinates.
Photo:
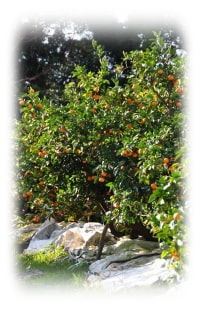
(185, 15)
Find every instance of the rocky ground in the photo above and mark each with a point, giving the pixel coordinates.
(125, 264)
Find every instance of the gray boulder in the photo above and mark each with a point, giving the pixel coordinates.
(84, 237)
(76, 238)
(46, 229)
(130, 270)
(44, 236)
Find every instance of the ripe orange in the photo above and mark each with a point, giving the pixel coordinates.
(154, 103)
(179, 104)
(179, 90)
(44, 153)
(128, 126)
(38, 202)
(160, 71)
(27, 173)
(30, 106)
(62, 129)
(175, 256)
(55, 204)
(124, 153)
(129, 101)
(67, 151)
(41, 183)
(59, 212)
(96, 96)
(89, 178)
(153, 186)
(176, 82)
(96, 89)
(107, 107)
(116, 205)
(143, 121)
(129, 153)
(72, 111)
(171, 168)
(36, 219)
(166, 161)
(103, 174)
(27, 195)
(21, 102)
(170, 77)
(135, 155)
(39, 106)
(101, 180)
(176, 216)
(93, 110)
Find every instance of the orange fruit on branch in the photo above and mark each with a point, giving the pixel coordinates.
(166, 160)
(39, 106)
(153, 186)
(160, 71)
(41, 183)
(96, 89)
(170, 77)
(178, 104)
(128, 126)
(101, 180)
(154, 103)
(72, 111)
(21, 102)
(176, 216)
(143, 121)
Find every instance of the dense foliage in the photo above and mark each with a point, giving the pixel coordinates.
(111, 151)
(48, 52)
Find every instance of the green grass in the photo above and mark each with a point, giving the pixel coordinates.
(56, 268)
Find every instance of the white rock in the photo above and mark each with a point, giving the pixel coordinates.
(37, 245)
(137, 273)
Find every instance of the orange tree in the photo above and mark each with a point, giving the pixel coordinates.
(113, 151)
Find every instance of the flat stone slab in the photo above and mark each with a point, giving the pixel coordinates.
(138, 272)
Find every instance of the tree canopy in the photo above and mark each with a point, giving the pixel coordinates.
(113, 145)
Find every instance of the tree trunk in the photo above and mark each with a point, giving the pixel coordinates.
(102, 241)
